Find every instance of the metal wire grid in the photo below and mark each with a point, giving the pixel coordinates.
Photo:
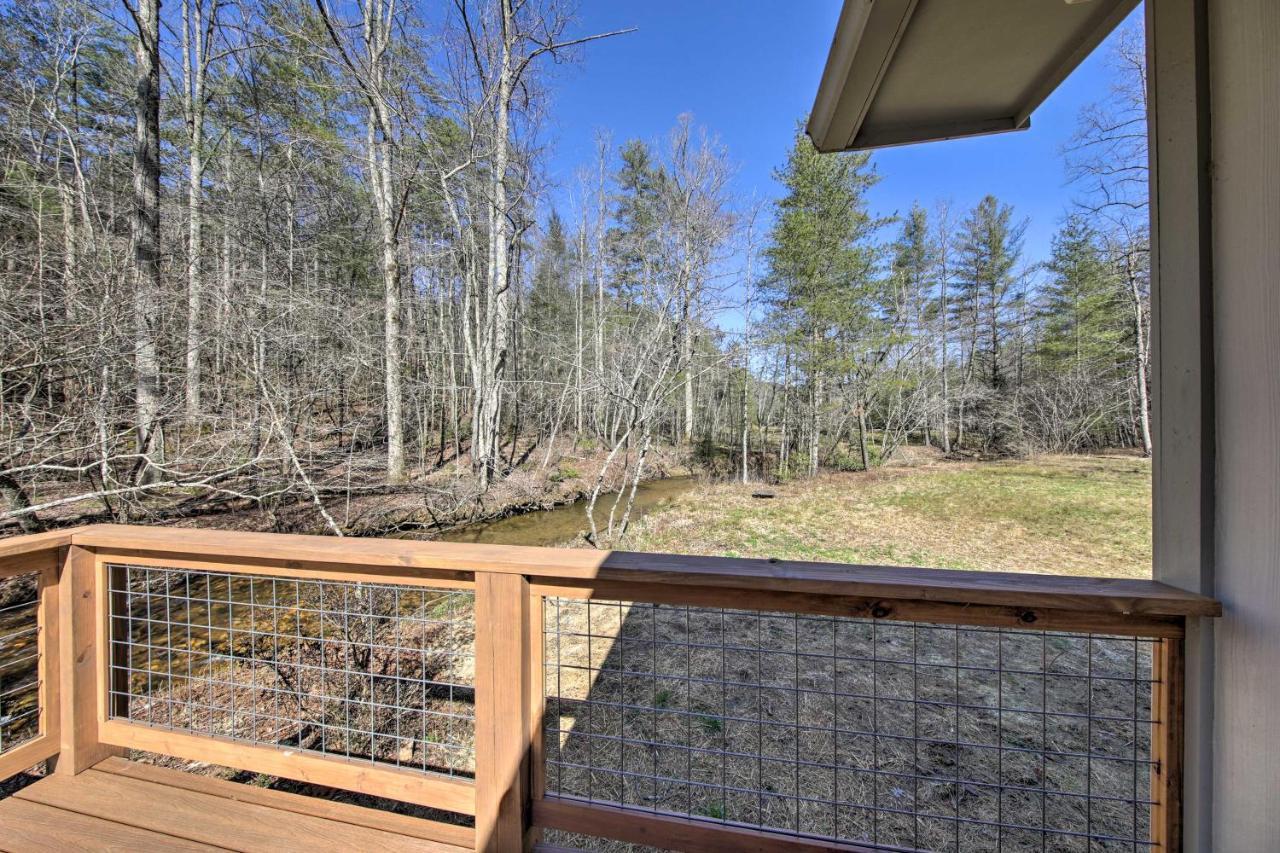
(906, 735)
(376, 672)
(19, 661)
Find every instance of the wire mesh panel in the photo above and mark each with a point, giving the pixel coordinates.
(377, 672)
(896, 734)
(19, 660)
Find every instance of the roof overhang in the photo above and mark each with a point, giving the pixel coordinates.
(903, 71)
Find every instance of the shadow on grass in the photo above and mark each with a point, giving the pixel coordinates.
(899, 734)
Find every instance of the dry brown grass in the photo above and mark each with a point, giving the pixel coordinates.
(1078, 515)
(915, 736)
(637, 708)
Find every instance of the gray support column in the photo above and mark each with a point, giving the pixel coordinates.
(1183, 359)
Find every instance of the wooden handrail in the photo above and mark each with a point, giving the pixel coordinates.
(1007, 589)
(29, 542)
(510, 583)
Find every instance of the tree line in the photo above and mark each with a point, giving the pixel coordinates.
(285, 251)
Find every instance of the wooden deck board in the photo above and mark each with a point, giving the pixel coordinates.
(30, 827)
(449, 835)
(114, 808)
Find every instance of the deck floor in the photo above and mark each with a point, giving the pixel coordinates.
(122, 805)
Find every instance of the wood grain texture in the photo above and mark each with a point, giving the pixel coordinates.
(31, 827)
(31, 753)
(28, 562)
(424, 789)
(672, 832)
(1110, 595)
(49, 644)
(448, 834)
(203, 818)
(262, 567)
(535, 701)
(48, 742)
(503, 682)
(81, 688)
(1167, 704)
(936, 612)
(32, 542)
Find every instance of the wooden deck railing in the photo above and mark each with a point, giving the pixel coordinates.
(681, 702)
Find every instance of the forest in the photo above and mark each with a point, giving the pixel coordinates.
(283, 255)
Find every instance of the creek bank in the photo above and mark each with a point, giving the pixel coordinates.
(565, 523)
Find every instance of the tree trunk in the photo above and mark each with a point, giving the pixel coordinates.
(497, 320)
(18, 499)
(1140, 360)
(380, 172)
(145, 237)
(380, 150)
(944, 312)
(862, 436)
(815, 422)
(745, 413)
(194, 71)
(686, 359)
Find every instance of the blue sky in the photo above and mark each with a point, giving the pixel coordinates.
(748, 69)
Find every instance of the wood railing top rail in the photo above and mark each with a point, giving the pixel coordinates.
(16, 546)
(1089, 594)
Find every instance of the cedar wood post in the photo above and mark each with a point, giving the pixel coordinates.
(1167, 710)
(503, 682)
(81, 674)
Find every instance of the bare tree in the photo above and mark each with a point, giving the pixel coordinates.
(369, 67)
(199, 27)
(145, 236)
(1108, 159)
(503, 41)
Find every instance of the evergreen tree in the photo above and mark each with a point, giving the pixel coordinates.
(1084, 323)
(911, 270)
(632, 240)
(551, 294)
(990, 244)
(912, 310)
(822, 267)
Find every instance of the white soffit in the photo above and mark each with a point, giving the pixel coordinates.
(903, 71)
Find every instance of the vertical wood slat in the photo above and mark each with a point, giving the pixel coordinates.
(536, 699)
(1167, 698)
(45, 565)
(114, 696)
(47, 645)
(502, 685)
(81, 686)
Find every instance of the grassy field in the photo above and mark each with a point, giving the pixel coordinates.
(903, 751)
(1080, 515)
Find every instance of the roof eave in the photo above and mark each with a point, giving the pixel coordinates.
(867, 38)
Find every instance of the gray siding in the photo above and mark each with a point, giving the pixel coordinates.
(1244, 51)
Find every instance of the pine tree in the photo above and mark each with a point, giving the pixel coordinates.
(551, 293)
(822, 266)
(1084, 322)
(632, 241)
(990, 244)
(913, 267)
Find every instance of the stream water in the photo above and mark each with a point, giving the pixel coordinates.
(18, 674)
(564, 523)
